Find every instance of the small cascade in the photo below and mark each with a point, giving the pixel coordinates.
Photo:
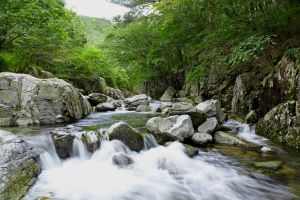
(49, 160)
(150, 142)
(79, 149)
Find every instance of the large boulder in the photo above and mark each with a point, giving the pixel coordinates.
(126, 134)
(116, 94)
(63, 143)
(171, 128)
(209, 126)
(18, 166)
(169, 94)
(201, 139)
(212, 108)
(184, 108)
(133, 102)
(92, 140)
(31, 100)
(97, 98)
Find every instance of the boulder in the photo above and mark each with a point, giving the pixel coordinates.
(92, 140)
(63, 143)
(116, 94)
(212, 108)
(143, 108)
(104, 107)
(126, 134)
(97, 98)
(170, 129)
(273, 165)
(39, 101)
(169, 94)
(184, 108)
(121, 160)
(18, 166)
(133, 102)
(251, 117)
(209, 126)
(229, 138)
(201, 139)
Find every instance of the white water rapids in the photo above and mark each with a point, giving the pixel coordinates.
(157, 173)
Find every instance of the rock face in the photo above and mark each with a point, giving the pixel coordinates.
(92, 140)
(169, 94)
(128, 135)
(18, 166)
(212, 108)
(202, 139)
(63, 144)
(133, 102)
(170, 129)
(209, 126)
(184, 108)
(28, 100)
(281, 124)
(97, 98)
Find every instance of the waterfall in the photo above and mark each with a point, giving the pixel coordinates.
(149, 142)
(79, 150)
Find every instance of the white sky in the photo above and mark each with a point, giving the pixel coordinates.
(96, 8)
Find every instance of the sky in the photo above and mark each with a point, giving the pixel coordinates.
(96, 8)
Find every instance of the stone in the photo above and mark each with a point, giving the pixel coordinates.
(133, 102)
(202, 139)
(251, 117)
(121, 160)
(115, 93)
(182, 128)
(126, 134)
(266, 149)
(63, 143)
(97, 98)
(238, 104)
(39, 101)
(104, 107)
(228, 138)
(273, 165)
(18, 166)
(212, 108)
(169, 94)
(209, 126)
(7, 115)
(143, 108)
(92, 140)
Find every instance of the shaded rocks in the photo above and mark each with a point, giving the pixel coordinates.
(115, 93)
(18, 166)
(133, 102)
(121, 160)
(97, 98)
(128, 135)
(212, 108)
(92, 140)
(39, 101)
(209, 126)
(251, 117)
(171, 128)
(201, 139)
(63, 143)
(169, 94)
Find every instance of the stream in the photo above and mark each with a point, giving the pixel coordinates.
(158, 172)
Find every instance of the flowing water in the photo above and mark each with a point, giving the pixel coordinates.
(158, 172)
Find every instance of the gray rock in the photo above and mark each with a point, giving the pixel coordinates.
(202, 139)
(122, 160)
(104, 107)
(185, 99)
(97, 98)
(229, 138)
(126, 134)
(92, 140)
(266, 149)
(183, 128)
(143, 108)
(63, 143)
(212, 108)
(116, 94)
(273, 165)
(133, 102)
(18, 166)
(209, 126)
(169, 94)
(7, 115)
(39, 101)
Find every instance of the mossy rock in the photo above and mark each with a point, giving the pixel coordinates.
(273, 165)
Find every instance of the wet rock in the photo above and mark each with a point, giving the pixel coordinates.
(175, 127)
(209, 126)
(133, 102)
(202, 139)
(229, 138)
(122, 160)
(169, 94)
(128, 135)
(92, 140)
(18, 166)
(143, 108)
(104, 107)
(212, 108)
(273, 165)
(63, 143)
(251, 117)
(97, 98)
(40, 101)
